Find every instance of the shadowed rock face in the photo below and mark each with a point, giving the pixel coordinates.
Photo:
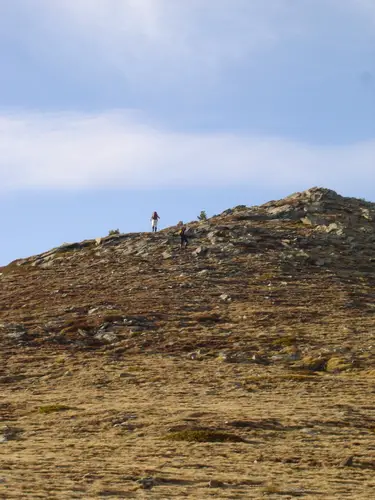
(243, 363)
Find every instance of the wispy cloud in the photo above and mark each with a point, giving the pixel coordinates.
(74, 151)
(151, 42)
(166, 40)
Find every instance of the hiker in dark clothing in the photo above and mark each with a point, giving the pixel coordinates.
(154, 221)
(183, 237)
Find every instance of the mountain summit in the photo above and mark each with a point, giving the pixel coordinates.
(253, 348)
(284, 266)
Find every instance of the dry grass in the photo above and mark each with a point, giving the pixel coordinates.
(203, 436)
(151, 410)
(53, 408)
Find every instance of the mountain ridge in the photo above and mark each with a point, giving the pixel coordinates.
(314, 235)
(240, 367)
(296, 205)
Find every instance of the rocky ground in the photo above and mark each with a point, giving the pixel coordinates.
(242, 367)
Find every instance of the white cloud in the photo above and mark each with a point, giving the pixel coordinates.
(114, 150)
(168, 40)
(188, 45)
(151, 41)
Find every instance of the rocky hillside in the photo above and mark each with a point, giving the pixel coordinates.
(241, 367)
(254, 281)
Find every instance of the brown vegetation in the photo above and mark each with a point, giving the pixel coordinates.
(244, 371)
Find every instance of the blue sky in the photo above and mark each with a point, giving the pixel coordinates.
(112, 109)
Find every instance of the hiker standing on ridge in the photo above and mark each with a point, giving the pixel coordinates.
(154, 221)
(183, 237)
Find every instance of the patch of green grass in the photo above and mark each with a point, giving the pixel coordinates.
(312, 363)
(46, 409)
(203, 436)
(60, 360)
(337, 364)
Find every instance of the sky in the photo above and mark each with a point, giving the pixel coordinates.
(112, 109)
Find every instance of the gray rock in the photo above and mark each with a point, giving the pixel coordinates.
(203, 272)
(320, 262)
(16, 335)
(47, 265)
(147, 483)
(200, 251)
(166, 255)
(108, 337)
(234, 357)
(196, 355)
(9, 433)
(225, 297)
(15, 331)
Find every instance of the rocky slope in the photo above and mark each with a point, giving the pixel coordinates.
(272, 295)
(302, 267)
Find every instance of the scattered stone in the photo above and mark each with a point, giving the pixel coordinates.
(260, 360)
(347, 462)
(47, 265)
(16, 332)
(213, 483)
(166, 255)
(16, 335)
(147, 483)
(108, 337)
(200, 251)
(8, 433)
(308, 431)
(196, 355)
(225, 297)
(234, 357)
(320, 262)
